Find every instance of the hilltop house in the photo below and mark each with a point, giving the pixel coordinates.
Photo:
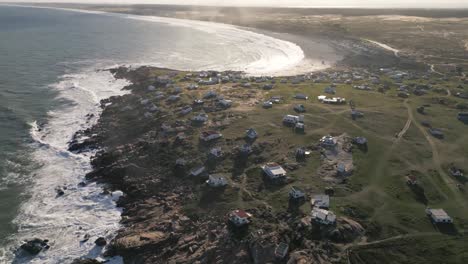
(239, 218)
(320, 201)
(216, 181)
(296, 194)
(334, 100)
(251, 133)
(439, 216)
(323, 216)
(437, 133)
(207, 136)
(274, 171)
(245, 150)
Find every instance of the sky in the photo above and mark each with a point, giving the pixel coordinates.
(299, 3)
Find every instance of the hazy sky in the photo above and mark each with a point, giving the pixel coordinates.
(325, 3)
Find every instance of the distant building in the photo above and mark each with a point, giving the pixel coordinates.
(240, 217)
(329, 90)
(299, 108)
(216, 181)
(296, 194)
(200, 118)
(292, 119)
(360, 141)
(301, 96)
(216, 152)
(437, 133)
(197, 171)
(251, 133)
(328, 141)
(225, 103)
(320, 201)
(210, 135)
(439, 216)
(463, 117)
(267, 104)
(323, 216)
(281, 250)
(274, 171)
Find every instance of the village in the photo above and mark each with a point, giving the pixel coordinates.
(305, 151)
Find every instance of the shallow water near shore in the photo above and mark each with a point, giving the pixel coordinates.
(51, 79)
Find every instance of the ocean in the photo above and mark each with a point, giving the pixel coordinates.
(52, 75)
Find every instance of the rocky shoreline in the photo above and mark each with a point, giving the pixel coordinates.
(138, 156)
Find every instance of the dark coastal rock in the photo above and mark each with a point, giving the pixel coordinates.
(100, 242)
(34, 246)
(86, 261)
(60, 192)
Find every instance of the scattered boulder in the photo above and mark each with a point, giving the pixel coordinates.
(34, 246)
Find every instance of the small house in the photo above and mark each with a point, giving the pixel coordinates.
(463, 117)
(151, 88)
(301, 96)
(239, 218)
(225, 103)
(290, 119)
(411, 180)
(245, 150)
(456, 172)
(192, 86)
(296, 194)
(267, 86)
(329, 90)
(281, 250)
(274, 171)
(197, 171)
(173, 98)
(210, 94)
(200, 118)
(299, 128)
(207, 136)
(275, 99)
(323, 216)
(360, 141)
(251, 133)
(439, 216)
(216, 181)
(198, 102)
(437, 133)
(186, 110)
(320, 201)
(299, 108)
(267, 104)
(328, 141)
(216, 152)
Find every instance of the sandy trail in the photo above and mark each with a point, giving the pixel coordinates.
(385, 46)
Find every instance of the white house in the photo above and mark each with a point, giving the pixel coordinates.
(295, 193)
(239, 217)
(323, 216)
(439, 216)
(320, 201)
(210, 135)
(274, 171)
(216, 181)
(251, 133)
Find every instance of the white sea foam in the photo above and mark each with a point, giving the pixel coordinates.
(269, 55)
(82, 210)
